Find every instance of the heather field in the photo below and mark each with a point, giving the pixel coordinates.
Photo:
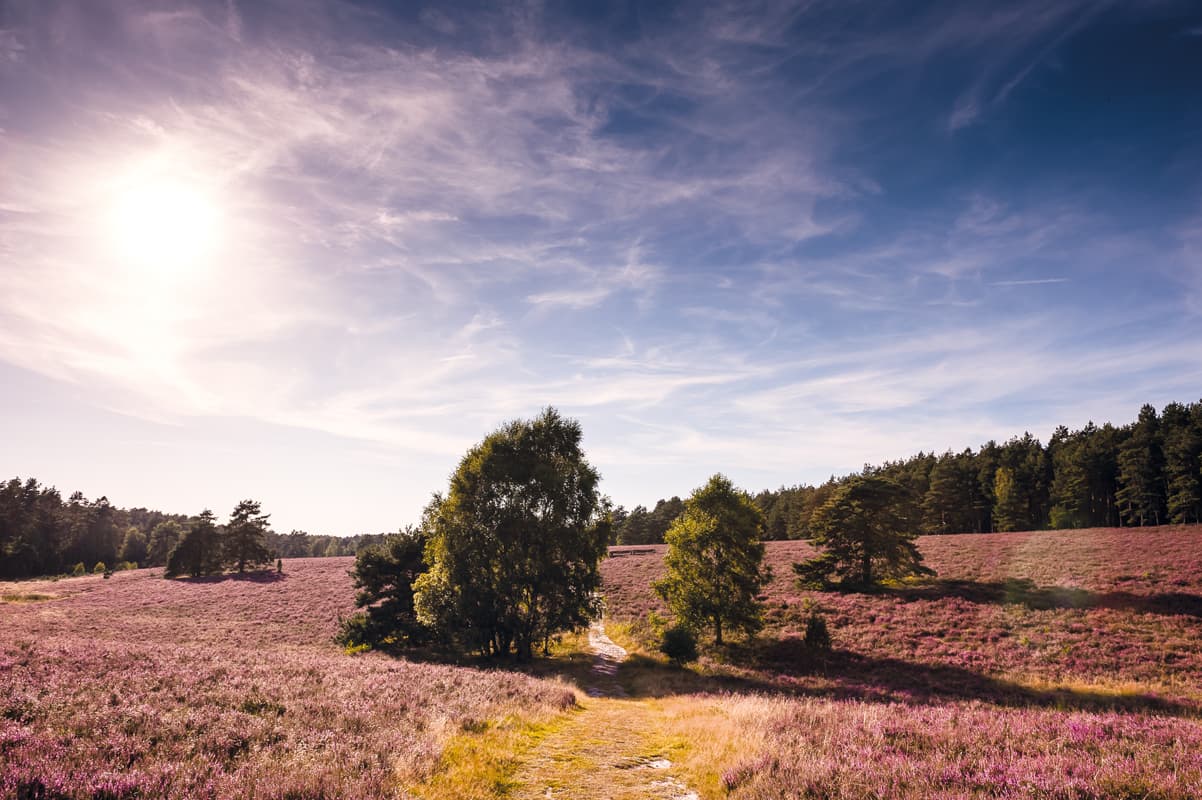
(1042, 664)
(1049, 665)
(142, 687)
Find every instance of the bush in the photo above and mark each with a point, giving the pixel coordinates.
(79, 569)
(354, 632)
(679, 645)
(817, 636)
(99, 568)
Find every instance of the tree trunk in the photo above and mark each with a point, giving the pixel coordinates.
(866, 569)
(717, 630)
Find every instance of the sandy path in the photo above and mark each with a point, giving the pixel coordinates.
(613, 748)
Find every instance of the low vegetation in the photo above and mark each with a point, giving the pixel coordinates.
(225, 687)
(1042, 664)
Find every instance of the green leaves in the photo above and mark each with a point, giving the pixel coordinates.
(515, 544)
(715, 560)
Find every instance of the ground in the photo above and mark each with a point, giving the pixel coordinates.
(1047, 664)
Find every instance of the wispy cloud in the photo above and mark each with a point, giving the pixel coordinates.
(725, 239)
(1030, 282)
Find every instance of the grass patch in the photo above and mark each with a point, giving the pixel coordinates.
(480, 762)
(30, 597)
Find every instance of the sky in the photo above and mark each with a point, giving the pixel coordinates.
(310, 251)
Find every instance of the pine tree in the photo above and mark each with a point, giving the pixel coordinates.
(246, 535)
(198, 551)
(863, 535)
(1140, 496)
(1182, 452)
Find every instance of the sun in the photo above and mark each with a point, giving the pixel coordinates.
(160, 223)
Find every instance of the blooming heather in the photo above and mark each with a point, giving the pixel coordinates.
(138, 686)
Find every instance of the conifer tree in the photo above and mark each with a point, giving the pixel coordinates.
(198, 551)
(1140, 496)
(246, 537)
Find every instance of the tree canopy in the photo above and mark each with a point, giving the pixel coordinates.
(244, 542)
(715, 560)
(863, 536)
(384, 574)
(198, 551)
(515, 544)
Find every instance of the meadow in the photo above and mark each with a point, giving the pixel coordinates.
(136, 686)
(1047, 664)
(1042, 664)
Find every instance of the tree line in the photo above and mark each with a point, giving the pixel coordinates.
(43, 534)
(1148, 472)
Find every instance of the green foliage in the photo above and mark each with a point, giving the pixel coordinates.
(641, 526)
(953, 495)
(863, 535)
(679, 644)
(244, 542)
(817, 637)
(133, 547)
(78, 570)
(384, 574)
(163, 539)
(715, 561)
(515, 545)
(1182, 435)
(99, 568)
(1141, 494)
(198, 551)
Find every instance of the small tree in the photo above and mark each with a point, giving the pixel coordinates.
(384, 574)
(863, 536)
(679, 644)
(199, 549)
(715, 561)
(246, 536)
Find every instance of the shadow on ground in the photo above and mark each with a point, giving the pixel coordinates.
(786, 666)
(256, 576)
(1026, 593)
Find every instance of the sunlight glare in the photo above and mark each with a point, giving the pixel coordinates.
(164, 224)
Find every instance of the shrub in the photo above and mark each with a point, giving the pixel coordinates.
(79, 569)
(817, 636)
(355, 632)
(99, 568)
(679, 645)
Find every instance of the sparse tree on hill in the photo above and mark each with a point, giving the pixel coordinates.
(198, 551)
(715, 561)
(863, 536)
(245, 537)
(515, 544)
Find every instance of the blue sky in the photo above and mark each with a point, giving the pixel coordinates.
(310, 251)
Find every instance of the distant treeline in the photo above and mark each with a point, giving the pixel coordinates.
(42, 534)
(1144, 473)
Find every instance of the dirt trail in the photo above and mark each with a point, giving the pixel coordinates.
(614, 747)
